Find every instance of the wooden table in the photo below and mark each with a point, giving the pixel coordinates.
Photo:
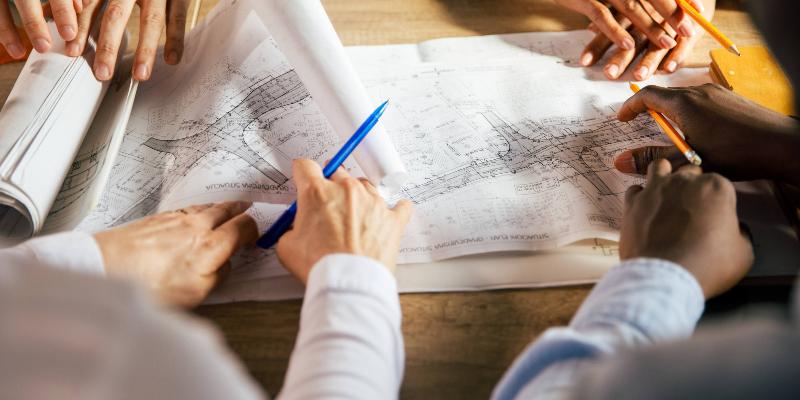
(457, 344)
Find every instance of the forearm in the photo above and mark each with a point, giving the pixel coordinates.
(350, 344)
(75, 251)
(638, 303)
(787, 147)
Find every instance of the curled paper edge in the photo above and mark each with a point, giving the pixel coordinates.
(306, 36)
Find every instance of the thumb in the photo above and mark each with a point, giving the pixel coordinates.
(636, 161)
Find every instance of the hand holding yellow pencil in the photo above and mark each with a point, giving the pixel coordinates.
(672, 133)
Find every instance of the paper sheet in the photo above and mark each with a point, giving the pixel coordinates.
(223, 125)
(44, 120)
(507, 154)
(306, 37)
(89, 173)
(510, 155)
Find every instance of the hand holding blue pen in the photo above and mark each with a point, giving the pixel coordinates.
(284, 222)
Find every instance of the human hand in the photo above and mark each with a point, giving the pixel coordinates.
(688, 218)
(653, 57)
(178, 254)
(735, 136)
(153, 16)
(640, 16)
(32, 15)
(340, 215)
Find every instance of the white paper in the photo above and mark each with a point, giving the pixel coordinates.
(306, 37)
(43, 124)
(91, 167)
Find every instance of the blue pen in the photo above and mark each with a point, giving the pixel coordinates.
(284, 222)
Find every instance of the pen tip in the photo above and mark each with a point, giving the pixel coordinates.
(735, 50)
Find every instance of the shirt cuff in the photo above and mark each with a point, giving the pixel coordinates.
(352, 273)
(654, 299)
(74, 251)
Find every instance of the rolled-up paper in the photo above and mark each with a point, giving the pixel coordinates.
(304, 33)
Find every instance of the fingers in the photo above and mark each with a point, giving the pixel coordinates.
(656, 98)
(689, 171)
(679, 54)
(674, 16)
(621, 58)
(229, 237)
(636, 161)
(631, 194)
(305, 172)
(217, 214)
(595, 50)
(603, 19)
(194, 209)
(340, 175)
(76, 46)
(642, 20)
(649, 63)
(9, 37)
(153, 13)
(30, 12)
(658, 169)
(66, 20)
(371, 189)
(112, 28)
(402, 210)
(176, 27)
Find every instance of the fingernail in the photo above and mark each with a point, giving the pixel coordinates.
(698, 5)
(641, 73)
(102, 72)
(628, 44)
(67, 32)
(685, 28)
(41, 45)
(667, 42)
(672, 66)
(586, 59)
(624, 163)
(15, 50)
(141, 72)
(612, 71)
(172, 57)
(73, 49)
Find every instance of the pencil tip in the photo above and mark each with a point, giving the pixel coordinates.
(735, 50)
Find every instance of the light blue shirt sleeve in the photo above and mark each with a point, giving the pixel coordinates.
(638, 303)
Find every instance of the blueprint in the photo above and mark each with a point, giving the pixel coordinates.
(510, 153)
(223, 125)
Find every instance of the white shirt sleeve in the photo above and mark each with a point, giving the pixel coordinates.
(75, 251)
(350, 344)
(638, 303)
(68, 336)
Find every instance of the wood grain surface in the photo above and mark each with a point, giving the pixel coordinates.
(457, 344)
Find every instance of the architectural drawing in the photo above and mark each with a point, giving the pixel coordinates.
(229, 134)
(504, 155)
(502, 158)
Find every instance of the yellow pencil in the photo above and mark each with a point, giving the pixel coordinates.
(710, 28)
(672, 133)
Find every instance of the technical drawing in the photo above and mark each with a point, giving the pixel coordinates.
(269, 98)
